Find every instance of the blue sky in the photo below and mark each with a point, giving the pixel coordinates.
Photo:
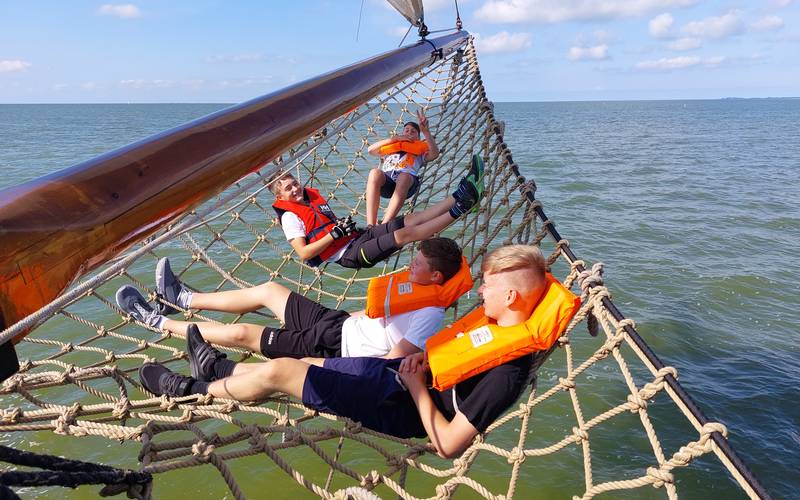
(529, 50)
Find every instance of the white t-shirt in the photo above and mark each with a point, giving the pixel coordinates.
(293, 227)
(365, 336)
(391, 164)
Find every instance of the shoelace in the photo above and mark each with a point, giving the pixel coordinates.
(147, 315)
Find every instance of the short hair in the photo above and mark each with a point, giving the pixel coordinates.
(443, 254)
(514, 257)
(413, 124)
(274, 180)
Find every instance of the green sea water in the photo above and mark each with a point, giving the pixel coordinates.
(692, 206)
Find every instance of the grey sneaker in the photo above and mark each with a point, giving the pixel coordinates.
(132, 302)
(168, 288)
(202, 356)
(159, 380)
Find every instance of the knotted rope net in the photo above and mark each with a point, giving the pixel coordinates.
(78, 377)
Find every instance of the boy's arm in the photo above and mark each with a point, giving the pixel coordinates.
(450, 438)
(401, 350)
(433, 148)
(310, 250)
(375, 147)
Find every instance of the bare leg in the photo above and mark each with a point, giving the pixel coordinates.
(279, 375)
(402, 185)
(271, 295)
(375, 182)
(419, 232)
(430, 213)
(245, 335)
(314, 361)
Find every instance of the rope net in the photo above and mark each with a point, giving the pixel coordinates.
(79, 375)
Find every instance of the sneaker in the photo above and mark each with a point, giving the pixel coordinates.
(168, 288)
(202, 356)
(470, 189)
(132, 302)
(159, 380)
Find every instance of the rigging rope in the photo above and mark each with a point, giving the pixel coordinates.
(78, 378)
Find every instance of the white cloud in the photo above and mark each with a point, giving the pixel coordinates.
(716, 27)
(669, 63)
(237, 58)
(665, 64)
(686, 43)
(140, 83)
(123, 10)
(13, 65)
(661, 25)
(768, 23)
(503, 42)
(596, 53)
(556, 11)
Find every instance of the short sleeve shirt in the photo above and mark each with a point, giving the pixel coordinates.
(364, 336)
(394, 162)
(484, 397)
(293, 227)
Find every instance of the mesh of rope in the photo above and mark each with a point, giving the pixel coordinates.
(79, 378)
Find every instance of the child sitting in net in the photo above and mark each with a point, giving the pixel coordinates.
(402, 156)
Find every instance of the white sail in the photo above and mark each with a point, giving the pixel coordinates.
(410, 9)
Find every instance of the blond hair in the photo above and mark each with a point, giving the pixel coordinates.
(514, 257)
(274, 181)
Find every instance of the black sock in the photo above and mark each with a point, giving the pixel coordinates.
(223, 368)
(198, 387)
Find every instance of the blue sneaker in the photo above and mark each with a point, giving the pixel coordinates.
(130, 300)
(470, 189)
(168, 288)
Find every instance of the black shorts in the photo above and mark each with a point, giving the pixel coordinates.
(311, 330)
(372, 246)
(387, 190)
(367, 390)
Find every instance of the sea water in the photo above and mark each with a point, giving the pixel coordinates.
(693, 207)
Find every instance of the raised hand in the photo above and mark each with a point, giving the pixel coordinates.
(423, 121)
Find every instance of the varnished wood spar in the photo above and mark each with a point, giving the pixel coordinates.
(60, 226)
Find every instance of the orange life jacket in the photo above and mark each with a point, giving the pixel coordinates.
(318, 218)
(412, 149)
(475, 343)
(395, 294)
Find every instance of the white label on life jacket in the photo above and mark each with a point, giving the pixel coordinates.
(480, 336)
(404, 288)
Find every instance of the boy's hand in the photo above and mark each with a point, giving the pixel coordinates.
(412, 370)
(423, 121)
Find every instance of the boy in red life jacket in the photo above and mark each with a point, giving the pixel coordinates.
(310, 329)
(391, 396)
(402, 156)
(318, 236)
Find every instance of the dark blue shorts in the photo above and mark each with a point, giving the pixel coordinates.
(366, 390)
(389, 184)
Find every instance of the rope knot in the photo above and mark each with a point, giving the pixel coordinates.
(353, 427)
(10, 416)
(166, 403)
(566, 383)
(636, 403)
(371, 480)
(202, 450)
(711, 427)
(121, 409)
(580, 435)
(667, 370)
(660, 477)
(517, 455)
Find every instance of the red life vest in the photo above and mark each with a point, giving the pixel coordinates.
(318, 219)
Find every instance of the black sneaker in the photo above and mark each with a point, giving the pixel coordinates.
(202, 356)
(132, 302)
(168, 288)
(470, 189)
(159, 380)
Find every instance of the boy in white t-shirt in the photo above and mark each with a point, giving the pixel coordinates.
(402, 156)
(310, 329)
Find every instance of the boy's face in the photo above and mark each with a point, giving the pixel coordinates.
(411, 132)
(493, 291)
(420, 272)
(289, 190)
